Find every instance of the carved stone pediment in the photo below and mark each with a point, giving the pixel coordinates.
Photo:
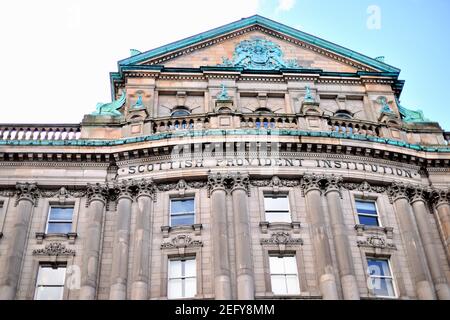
(54, 249)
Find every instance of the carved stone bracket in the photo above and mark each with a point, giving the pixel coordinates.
(54, 249)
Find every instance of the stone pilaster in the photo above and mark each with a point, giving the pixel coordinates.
(96, 202)
(442, 206)
(121, 243)
(398, 193)
(324, 263)
(342, 244)
(418, 202)
(27, 194)
(245, 274)
(141, 261)
(219, 230)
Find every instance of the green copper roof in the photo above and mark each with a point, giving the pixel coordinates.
(267, 23)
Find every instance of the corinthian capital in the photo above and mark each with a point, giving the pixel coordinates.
(440, 197)
(96, 191)
(146, 187)
(124, 188)
(240, 181)
(419, 193)
(332, 183)
(27, 191)
(216, 181)
(398, 190)
(311, 182)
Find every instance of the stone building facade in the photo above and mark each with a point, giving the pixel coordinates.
(252, 161)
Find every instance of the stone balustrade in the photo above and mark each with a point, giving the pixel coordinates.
(353, 127)
(49, 132)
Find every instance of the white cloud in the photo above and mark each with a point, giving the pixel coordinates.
(56, 55)
(285, 5)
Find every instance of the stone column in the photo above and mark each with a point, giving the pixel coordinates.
(242, 238)
(219, 231)
(324, 263)
(399, 197)
(437, 273)
(27, 194)
(442, 206)
(121, 243)
(141, 261)
(97, 197)
(342, 246)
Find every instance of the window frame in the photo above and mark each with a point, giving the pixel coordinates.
(50, 265)
(271, 274)
(281, 212)
(48, 221)
(184, 213)
(377, 215)
(391, 277)
(182, 277)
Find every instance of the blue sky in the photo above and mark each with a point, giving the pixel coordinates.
(414, 36)
(56, 55)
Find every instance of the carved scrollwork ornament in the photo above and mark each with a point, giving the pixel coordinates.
(216, 181)
(54, 249)
(181, 241)
(440, 197)
(398, 190)
(240, 181)
(96, 191)
(311, 182)
(27, 191)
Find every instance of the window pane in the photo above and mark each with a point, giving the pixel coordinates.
(180, 206)
(276, 203)
(49, 293)
(175, 269)
(292, 285)
(182, 220)
(60, 213)
(290, 265)
(276, 265)
(174, 289)
(190, 287)
(278, 217)
(367, 207)
(49, 276)
(59, 227)
(368, 221)
(190, 268)
(278, 285)
(383, 287)
(378, 267)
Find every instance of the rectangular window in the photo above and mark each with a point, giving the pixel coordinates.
(284, 275)
(367, 213)
(182, 212)
(59, 220)
(277, 208)
(50, 282)
(382, 282)
(182, 279)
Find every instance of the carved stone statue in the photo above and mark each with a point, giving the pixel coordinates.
(411, 115)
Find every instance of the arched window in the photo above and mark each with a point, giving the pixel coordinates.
(343, 114)
(263, 110)
(180, 112)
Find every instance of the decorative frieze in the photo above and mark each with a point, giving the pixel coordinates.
(282, 240)
(376, 242)
(363, 187)
(275, 183)
(54, 249)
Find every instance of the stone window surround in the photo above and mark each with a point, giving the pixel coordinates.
(305, 291)
(166, 197)
(68, 261)
(285, 191)
(166, 255)
(367, 253)
(362, 229)
(71, 236)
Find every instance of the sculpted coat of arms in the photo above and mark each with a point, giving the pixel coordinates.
(258, 54)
